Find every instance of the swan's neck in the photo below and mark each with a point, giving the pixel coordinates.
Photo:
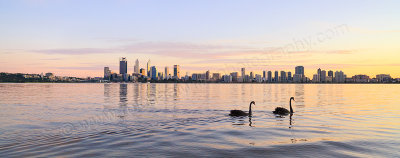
(291, 109)
(250, 109)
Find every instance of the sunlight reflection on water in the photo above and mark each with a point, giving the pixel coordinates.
(192, 120)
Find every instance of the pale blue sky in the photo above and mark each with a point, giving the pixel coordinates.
(27, 27)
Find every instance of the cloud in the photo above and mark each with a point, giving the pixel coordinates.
(75, 51)
(204, 53)
(81, 68)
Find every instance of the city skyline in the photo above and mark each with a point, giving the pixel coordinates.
(45, 36)
(267, 76)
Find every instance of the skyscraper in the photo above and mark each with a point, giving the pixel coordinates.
(323, 76)
(289, 76)
(136, 67)
(319, 75)
(153, 73)
(264, 75)
(107, 73)
(276, 79)
(283, 76)
(269, 76)
(123, 66)
(148, 68)
(251, 76)
(234, 76)
(207, 75)
(299, 73)
(166, 72)
(177, 72)
(340, 77)
(330, 73)
(243, 72)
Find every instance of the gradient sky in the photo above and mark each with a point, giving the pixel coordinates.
(79, 38)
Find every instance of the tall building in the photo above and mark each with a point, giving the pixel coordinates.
(264, 75)
(269, 76)
(276, 78)
(289, 76)
(153, 73)
(299, 70)
(123, 66)
(235, 76)
(136, 67)
(251, 76)
(323, 76)
(319, 75)
(330, 73)
(177, 72)
(148, 68)
(107, 73)
(166, 72)
(299, 74)
(283, 76)
(340, 77)
(243, 74)
(207, 75)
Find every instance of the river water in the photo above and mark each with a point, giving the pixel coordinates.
(182, 120)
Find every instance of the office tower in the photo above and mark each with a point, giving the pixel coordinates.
(330, 73)
(340, 77)
(177, 72)
(319, 75)
(289, 76)
(235, 76)
(207, 75)
(123, 66)
(148, 68)
(298, 74)
(299, 70)
(166, 72)
(243, 74)
(283, 76)
(323, 76)
(136, 67)
(143, 72)
(269, 76)
(107, 73)
(153, 72)
(276, 79)
(264, 75)
(251, 76)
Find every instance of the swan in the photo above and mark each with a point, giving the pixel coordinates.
(284, 111)
(242, 113)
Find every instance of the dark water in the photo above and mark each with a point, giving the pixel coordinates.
(182, 120)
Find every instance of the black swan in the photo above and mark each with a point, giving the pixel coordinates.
(284, 111)
(242, 113)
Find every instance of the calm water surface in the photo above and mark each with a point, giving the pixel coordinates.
(181, 120)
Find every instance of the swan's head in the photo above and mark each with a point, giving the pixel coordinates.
(292, 98)
(252, 102)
